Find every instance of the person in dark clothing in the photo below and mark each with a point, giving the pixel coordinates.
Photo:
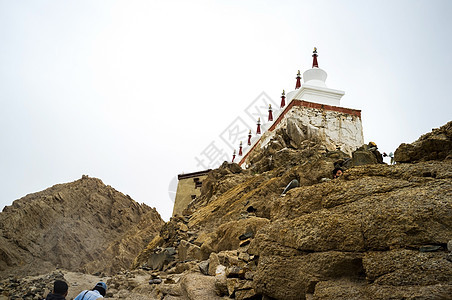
(59, 292)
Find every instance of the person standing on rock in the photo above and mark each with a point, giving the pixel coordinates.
(97, 292)
(59, 292)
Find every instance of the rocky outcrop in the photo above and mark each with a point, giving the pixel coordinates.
(366, 155)
(436, 145)
(377, 232)
(82, 225)
(369, 227)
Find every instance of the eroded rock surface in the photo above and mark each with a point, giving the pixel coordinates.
(82, 225)
(377, 232)
(368, 226)
(435, 145)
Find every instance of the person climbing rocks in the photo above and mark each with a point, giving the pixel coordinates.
(59, 291)
(337, 172)
(99, 291)
(372, 146)
(391, 155)
(374, 149)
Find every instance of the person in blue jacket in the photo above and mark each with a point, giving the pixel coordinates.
(97, 292)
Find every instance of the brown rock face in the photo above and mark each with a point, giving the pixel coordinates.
(348, 228)
(377, 232)
(82, 225)
(436, 145)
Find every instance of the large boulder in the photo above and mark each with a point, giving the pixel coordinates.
(361, 157)
(230, 235)
(339, 289)
(436, 145)
(365, 155)
(198, 286)
(402, 267)
(352, 227)
(284, 276)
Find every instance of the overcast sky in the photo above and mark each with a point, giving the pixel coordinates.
(133, 92)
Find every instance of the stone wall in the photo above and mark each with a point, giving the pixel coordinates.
(336, 128)
(332, 126)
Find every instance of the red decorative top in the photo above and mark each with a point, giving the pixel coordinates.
(315, 64)
(233, 156)
(283, 99)
(270, 113)
(258, 131)
(249, 138)
(298, 85)
(240, 149)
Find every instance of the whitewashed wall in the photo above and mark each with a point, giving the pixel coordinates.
(333, 128)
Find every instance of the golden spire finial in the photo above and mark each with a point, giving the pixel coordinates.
(299, 73)
(283, 92)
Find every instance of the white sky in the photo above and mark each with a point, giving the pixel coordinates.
(132, 91)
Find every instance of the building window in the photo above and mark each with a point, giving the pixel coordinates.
(198, 183)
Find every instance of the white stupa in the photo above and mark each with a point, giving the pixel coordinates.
(314, 88)
(313, 111)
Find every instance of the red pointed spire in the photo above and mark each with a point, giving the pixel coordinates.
(233, 156)
(315, 64)
(298, 85)
(258, 131)
(270, 113)
(240, 149)
(283, 99)
(249, 138)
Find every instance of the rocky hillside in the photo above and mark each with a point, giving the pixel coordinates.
(83, 225)
(378, 232)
